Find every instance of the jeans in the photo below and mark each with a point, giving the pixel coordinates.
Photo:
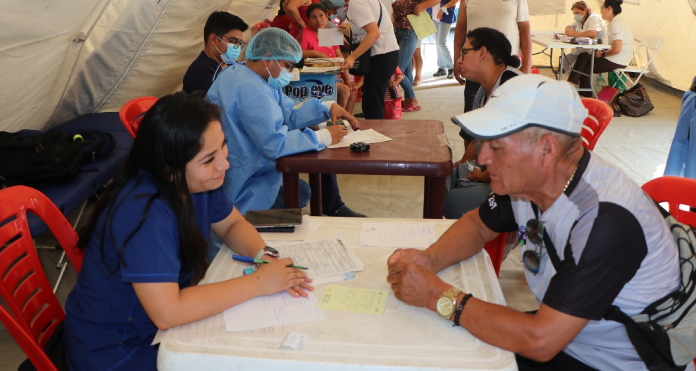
(408, 42)
(444, 58)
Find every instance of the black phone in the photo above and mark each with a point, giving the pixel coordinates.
(270, 219)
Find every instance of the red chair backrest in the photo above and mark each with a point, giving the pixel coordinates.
(495, 249)
(23, 284)
(600, 114)
(133, 111)
(675, 191)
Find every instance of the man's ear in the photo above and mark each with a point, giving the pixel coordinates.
(550, 150)
(484, 52)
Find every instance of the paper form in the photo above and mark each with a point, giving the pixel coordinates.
(273, 310)
(422, 25)
(212, 327)
(323, 258)
(398, 234)
(366, 136)
(330, 37)
(354, 300)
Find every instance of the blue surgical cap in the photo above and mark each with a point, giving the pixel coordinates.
(273, 44)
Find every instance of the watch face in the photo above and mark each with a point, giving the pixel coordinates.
(271, 251)
(445, 306)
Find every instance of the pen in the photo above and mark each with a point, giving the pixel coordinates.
(246, 259)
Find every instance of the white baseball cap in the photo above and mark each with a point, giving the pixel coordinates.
(525, 101)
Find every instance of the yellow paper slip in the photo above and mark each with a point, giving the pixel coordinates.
(422, 24)
(354, 300)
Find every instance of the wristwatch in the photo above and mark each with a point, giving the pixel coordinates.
(447, 302)
(268, 251)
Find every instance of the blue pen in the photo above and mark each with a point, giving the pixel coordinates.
(246, 259)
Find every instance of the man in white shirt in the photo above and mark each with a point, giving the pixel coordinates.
(511, 17)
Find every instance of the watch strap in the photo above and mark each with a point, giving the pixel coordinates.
(260, 254)
(459, 309)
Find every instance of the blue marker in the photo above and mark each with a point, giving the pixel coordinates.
(246, 259)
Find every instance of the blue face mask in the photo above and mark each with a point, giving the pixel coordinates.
(232, 53)
(282, 80)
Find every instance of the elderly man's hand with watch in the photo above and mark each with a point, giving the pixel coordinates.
(269, 253)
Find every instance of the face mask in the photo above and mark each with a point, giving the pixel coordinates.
(579, 18)
(341, 14)
(282, 80)
(232, 53)
(332, 16)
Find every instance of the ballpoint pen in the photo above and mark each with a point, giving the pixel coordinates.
(246, 259)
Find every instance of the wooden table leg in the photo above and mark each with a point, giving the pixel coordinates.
(315, 198)
(434, 197)
(291, 184)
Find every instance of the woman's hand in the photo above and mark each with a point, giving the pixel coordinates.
(337, 133)
(440, 14)
(569, 31)
(352, 85)
(348, 63)
(598, 54)
(276, 276)
(338, 112)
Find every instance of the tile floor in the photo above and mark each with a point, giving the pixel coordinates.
(638, 145)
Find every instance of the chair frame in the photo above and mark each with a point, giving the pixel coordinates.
(592, 120)
(123, 112)
(34, 311)
(652, 45)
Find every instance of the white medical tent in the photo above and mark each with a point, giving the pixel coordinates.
(60, 59)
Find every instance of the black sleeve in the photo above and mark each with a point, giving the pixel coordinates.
(496, 213)
(614, 251)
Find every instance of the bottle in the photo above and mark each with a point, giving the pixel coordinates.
(394, 94)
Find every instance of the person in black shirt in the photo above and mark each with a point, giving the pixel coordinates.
(223, 42)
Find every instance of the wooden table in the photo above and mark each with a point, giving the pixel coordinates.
(418, 148)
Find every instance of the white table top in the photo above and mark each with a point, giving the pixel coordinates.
(545, 39)
(403, 338)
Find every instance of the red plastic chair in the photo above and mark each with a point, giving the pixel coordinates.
(133, 111)
(495, 249)
(34, 312)
(600, 114)
(675, 191)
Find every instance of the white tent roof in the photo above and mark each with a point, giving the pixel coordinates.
(62, 59)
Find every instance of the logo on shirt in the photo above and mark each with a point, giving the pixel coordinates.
(491, 202)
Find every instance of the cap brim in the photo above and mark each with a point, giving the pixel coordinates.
(486, 125)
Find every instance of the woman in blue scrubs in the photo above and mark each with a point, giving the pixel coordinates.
(146, 243)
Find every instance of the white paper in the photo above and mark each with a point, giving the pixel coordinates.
(417, 235)
(300, 234)
(323, 258)
(212, 327)
(366, 136)
(273, 310)
(332, 69)
(294, 341)
(330, 37)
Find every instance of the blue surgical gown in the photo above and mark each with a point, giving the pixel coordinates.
(261, 126)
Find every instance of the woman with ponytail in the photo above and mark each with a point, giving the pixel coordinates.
(620, 37)
(486, 59)
(145, 244)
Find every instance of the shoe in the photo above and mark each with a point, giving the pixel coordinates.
(410, 108)
(345, 212)
(450, 74)
(440, 72)
(360, 115)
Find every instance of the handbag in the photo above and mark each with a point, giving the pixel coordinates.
(634, 102)
(392, 109)
(361, 67)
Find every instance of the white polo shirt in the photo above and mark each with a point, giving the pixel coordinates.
(364, 12)
(593, 23)
(502, 15)
(619, 30)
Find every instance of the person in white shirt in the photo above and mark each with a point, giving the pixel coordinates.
(619, 56)
(511, 17)
(587, 24)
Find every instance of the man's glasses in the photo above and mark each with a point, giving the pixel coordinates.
(462, 53)
(535, 234)
(231, 40)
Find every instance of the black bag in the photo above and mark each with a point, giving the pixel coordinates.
(29, 157)
(634, 102)
(95, 143)
(361, 67)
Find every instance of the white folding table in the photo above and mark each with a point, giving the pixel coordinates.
(403, 338)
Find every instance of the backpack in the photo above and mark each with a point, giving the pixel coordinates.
(29, 157)
(664, 333)
(95, 143)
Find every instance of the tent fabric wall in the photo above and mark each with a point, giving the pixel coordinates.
(63, 58)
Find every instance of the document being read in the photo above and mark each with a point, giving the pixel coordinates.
(273, 310)
(322, 258)
(398, 234)
(354, 300)
(366, 136)
(422, 25)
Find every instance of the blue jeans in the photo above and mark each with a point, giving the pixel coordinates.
(408, 42)
(444, 58)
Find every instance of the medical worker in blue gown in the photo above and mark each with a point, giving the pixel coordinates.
(261, 124)
(145, 243)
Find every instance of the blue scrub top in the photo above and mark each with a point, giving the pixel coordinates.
(106, 327)
(261, 126)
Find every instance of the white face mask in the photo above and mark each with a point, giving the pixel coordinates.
(579, 17)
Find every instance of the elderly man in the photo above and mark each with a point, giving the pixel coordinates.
(590, 237)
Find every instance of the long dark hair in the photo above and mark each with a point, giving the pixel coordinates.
(168, 138)
(496, 43)
(615, 5)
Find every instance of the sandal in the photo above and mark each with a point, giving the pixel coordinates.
(417, 82)
(410, 108)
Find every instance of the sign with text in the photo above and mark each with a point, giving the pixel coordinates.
(312, 85)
